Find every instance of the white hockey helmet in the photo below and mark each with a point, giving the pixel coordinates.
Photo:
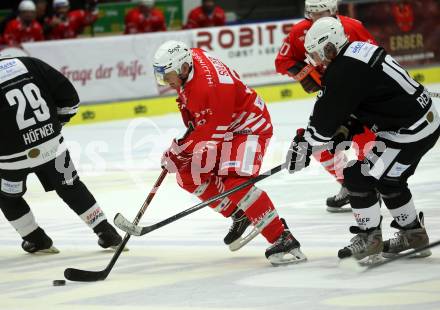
(325, 30)
(170, 56)
(60, 3)
(26, 5)
(147, 3)
(317, 6)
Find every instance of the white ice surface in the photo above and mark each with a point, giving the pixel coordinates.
(185, 265)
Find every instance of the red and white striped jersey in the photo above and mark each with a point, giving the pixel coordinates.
(219, 104)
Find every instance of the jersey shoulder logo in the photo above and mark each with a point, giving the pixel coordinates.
(362, 51)
(11, 68)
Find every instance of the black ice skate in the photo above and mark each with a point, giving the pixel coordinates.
(335, 204)
(366, 246)
(286, 250)
(408, 238)
(240, 223)
(108, 236)
(38, 242)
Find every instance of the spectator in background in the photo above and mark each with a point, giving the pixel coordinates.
(65, 24)
(41, 10)
(144, 18)
(206, 15)
(24, 28)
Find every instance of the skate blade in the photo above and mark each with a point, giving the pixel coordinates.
(281, 259)
(242, 241)
(371, 260)
(421, 254)
(338, 210)
(51, 250)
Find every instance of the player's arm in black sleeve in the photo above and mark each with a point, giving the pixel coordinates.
(343, 90)
(62, 91)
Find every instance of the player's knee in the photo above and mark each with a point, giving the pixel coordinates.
(355, 180)
(394, 193)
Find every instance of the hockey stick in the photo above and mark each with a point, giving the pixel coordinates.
(131, 228)
(73, 274)
(353, 264)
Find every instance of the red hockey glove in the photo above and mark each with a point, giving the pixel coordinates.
(175, 158)
(298, 156)
(307, 75)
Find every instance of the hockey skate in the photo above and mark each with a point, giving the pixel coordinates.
(408, 239)
(240, 223)
(286, 250)
(335, 204)
(366, 246)
(38, 242)
(108, 236)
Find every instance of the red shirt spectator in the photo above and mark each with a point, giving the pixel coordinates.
(144, 18)
(24, 28)
(206, 15)
(64, 24)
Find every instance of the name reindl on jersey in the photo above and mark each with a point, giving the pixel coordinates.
(34, 135)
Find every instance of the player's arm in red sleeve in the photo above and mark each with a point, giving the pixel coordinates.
(220, 100)
(290, 61)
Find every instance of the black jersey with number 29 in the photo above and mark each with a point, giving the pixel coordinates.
(34, 98)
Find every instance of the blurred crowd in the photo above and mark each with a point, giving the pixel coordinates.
(38, 20)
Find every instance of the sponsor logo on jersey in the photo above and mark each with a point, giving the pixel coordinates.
(10, 69)
(361, 51)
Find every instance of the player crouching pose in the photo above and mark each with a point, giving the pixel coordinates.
(35, 101)
(381, 95)
(232, 129)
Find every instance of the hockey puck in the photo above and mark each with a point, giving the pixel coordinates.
(59, 282)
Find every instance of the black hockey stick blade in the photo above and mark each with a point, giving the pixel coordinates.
(122, 223)
(351, 263)
(79, 275)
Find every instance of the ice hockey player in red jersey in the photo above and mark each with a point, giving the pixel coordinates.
(24, 28)
(144, 18)
(65, 24)
(232, 129)
(291, 61)
(206, 15)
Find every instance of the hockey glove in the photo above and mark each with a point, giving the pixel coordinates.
(345, 133)
(307, 75)
(298, 156)
(175, 158)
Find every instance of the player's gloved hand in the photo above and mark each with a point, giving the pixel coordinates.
(175, 158)
(306, 74)
(298, 156)
(345, 133)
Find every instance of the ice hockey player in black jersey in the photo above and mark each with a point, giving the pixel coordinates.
(363, 85)
(35, 101)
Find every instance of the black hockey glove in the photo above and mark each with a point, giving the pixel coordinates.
(345, 133)
(309, 78)
(298, 156)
